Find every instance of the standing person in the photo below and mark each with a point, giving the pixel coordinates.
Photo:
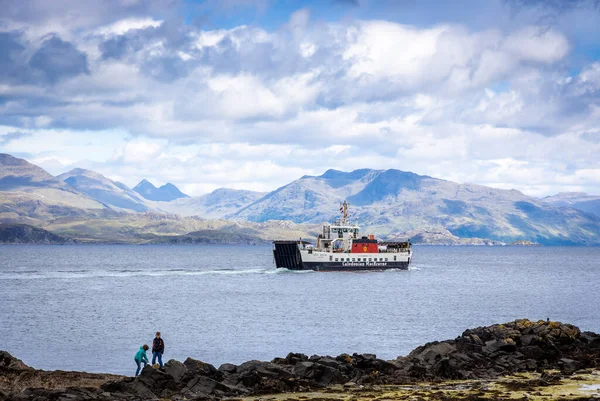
(158, 348)
(141, 357)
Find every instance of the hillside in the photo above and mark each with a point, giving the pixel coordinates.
(391, 201)
(26, 234)
(111, 193)
(140, 228)
(215, 205)
(211, 237)
(165, 193)
(29, 192)
(576, 200)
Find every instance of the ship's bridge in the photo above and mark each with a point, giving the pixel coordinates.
(342, 231)
(338, 235)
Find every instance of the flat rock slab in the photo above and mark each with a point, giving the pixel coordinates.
(522, 386)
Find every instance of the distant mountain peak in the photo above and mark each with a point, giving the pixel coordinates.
(144, 185)
(165, 193)
(577, 200)
(334, 174)
(10, 160)
(81, 172)
(146, 182)
(16, 172)
(169, 186)
(110, 193)
(567, 195)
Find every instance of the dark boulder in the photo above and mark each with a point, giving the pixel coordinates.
(128, 388)
(334, 363)
(529, 339)
(433, 352)
(176, 369)
(330, 375)
(305, 370)
(203, 386)
(591, 339)
(264, 377)
(291, 359)
(568, 366)
(228, 368)
(156, 380)
(199, 368)
(503, 344)
(319, 374)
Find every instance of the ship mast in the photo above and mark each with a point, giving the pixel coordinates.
(344, 210)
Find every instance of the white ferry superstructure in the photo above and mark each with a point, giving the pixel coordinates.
(341, 248)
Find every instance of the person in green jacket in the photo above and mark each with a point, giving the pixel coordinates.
(140, 357)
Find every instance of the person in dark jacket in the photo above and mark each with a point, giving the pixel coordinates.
(140, 357)
(158, 349)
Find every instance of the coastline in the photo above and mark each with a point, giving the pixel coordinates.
(522, 358)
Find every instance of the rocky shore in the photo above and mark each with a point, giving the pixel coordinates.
(540, 353)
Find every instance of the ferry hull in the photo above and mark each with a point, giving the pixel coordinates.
(333, 266)
(288, 256)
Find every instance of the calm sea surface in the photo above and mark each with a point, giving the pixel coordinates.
(91, 307)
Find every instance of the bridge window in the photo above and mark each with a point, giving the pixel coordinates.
(354, 259)
(394, 257)
(331, 257)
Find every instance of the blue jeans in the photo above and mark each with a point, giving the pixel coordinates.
(154, 356)
(139, 365)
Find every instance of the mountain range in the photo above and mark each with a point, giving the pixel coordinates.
(576, 200)
(391, 201)
(218, 204)
(165, 193)
(87, 206)
(110, 193)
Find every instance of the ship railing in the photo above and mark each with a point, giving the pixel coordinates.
(401, 250)
(341, 250)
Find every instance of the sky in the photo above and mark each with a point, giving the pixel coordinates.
(253, 94)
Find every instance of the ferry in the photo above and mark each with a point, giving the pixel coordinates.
(341, 248)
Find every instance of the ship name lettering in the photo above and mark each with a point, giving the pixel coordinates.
(368, 264)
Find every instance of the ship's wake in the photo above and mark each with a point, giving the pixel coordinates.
(125, 273)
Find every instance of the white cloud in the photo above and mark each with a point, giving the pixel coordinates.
(125, 25)
(251, 108)
(138, 151)
(387, 49)
(537, 44)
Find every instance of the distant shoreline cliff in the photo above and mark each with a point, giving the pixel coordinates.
(19, 234)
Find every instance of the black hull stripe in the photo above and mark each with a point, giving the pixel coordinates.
(345, 266)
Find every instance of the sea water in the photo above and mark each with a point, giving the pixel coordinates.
(90, 308)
